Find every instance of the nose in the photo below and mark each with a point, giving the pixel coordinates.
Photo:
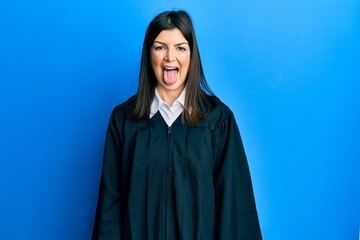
(170, 55)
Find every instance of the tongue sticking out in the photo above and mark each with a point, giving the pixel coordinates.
(170, 76)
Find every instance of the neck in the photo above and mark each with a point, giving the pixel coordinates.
(169, 96)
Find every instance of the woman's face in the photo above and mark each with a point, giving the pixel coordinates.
(170, 60)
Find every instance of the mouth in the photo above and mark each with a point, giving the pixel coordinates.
(170, 75)
(171, 69)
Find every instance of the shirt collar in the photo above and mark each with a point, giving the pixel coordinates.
(157, 102)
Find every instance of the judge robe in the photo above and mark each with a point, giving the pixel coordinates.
(183, 182)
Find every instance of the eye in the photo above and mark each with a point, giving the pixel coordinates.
(159, 48)
(181, 49)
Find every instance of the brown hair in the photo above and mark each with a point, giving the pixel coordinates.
(198, 94)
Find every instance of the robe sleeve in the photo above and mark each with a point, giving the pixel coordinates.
(236, 214)
(107, 220)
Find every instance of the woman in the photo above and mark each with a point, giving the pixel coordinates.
(174, 164)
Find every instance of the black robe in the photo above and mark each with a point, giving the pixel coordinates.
(181, 182)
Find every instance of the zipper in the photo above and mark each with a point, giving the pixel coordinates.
(168, 184)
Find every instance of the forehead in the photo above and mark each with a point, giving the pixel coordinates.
(172, 36)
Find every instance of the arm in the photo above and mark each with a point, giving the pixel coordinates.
(236, 215)
(107, 220)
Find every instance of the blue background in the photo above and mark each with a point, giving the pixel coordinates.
(290, 71)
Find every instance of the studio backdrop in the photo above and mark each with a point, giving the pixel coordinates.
(289, 70)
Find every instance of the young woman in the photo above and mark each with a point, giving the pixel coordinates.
(174, 164)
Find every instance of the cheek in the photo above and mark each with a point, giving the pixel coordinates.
(155, 63)
(186, 64)
(153, 67)
(185, 61)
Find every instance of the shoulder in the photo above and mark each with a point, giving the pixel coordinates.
(220, 106)
(220, 114)
(122, 111)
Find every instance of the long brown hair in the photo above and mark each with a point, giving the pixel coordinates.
(198, 94)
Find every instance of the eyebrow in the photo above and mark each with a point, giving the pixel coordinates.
(178, 44)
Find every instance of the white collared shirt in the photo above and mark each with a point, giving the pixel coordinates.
(169, 113)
